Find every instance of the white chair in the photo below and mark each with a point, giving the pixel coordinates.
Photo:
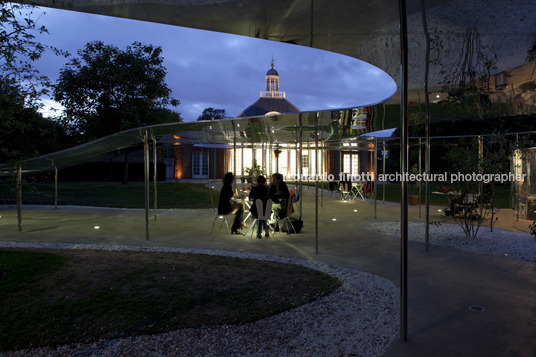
(346, 190)
(263, 215)
(217, 216)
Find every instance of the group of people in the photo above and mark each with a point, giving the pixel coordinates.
(278, 192)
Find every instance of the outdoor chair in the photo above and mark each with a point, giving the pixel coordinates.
(334, 186)
(263, 215)
(222, 217)
(346, 189)
(368, 190)
(286, 219)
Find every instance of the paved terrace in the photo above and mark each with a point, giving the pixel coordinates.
(443, 283)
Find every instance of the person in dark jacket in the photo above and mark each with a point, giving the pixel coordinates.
(279, 193)
(259, 192)
(226, 207)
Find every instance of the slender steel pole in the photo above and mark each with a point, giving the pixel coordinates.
(301, 165)
(146, 178)
(234, 162)
(19, 198)
(322, 171)
(155, 179)
(383, 164)
(403, 170)
(427, 127)
(316, 183)
(515, 189)
(297, 158)
(480, 170)
(420, 170)
(55, 188)
(375, 175)
(371, 160)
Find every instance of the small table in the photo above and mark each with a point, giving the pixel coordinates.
(358, 186)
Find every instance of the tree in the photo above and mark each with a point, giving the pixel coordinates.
(19, 49)
(531, 56)
(468, 79)
(488, 155)
(106, 90)
(212, 114)
(23, 130)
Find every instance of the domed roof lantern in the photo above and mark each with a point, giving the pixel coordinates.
(272, 71)
(272, 84)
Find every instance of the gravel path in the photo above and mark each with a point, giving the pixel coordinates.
(358, 319)
(500, 242)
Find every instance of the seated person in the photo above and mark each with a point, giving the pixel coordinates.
(259, 192)
(280, 194)
(226, 207)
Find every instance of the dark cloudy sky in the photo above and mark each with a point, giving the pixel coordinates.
(208, 69)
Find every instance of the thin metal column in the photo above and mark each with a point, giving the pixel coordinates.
(146, 178)
(242, 160)
(301, 165)
(269, 168)
(316, 183)
(375, 175)
(480, 170)
(515, 202)
(427, 127)
(155, 178)
(383, 164)
(234, 162)
(322, 170)
(19, 198)
(403, 170)
(420, 181)
(55, 188)
(371, 159)
(297, 157)
(263, 154)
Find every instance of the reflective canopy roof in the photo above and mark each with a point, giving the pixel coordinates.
(333, 126)
(367, 30)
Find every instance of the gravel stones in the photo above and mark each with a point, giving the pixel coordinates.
(360, 318)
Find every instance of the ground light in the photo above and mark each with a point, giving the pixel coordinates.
(97, 227)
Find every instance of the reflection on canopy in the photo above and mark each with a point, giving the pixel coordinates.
(334, 127)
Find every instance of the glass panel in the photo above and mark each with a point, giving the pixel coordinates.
(205, 164)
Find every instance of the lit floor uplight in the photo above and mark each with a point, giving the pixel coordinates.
(355, 210)
(334, 219)
(97, 227)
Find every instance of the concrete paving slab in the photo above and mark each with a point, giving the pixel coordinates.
(443, 283)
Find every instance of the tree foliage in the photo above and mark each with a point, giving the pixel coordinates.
(106, 90)
(531, 56)
(19, 49)
(24, 132)
(212, 114)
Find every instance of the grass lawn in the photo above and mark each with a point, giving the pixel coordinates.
(392, 194)
(60, 297)
(114, 194)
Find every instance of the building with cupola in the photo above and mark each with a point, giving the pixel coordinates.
(212, 161)
(271, 101)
